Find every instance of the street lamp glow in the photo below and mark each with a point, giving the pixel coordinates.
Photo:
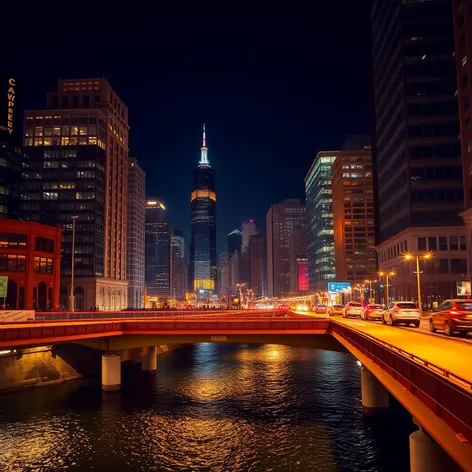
(410, 257)
(387, 274)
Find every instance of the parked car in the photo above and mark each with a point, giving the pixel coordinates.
(402, 312)
(336, 310)
(321, 309)
(372, 312)
(452, 316)
(352, 309)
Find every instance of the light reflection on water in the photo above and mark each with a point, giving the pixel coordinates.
(211, 407)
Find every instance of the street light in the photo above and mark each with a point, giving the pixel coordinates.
(72, 297)
(387, 274)
(409, 257)
(370, 282)
(239, 287)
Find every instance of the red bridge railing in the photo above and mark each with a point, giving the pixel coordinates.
(447, 395)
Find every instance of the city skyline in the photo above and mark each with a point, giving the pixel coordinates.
(266, 104)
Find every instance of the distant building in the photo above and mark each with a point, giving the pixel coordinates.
(203, 264)
(353, 212)
(248, 229)
(179, 272)
(224, 283)
(135, 243)
(286, 231)
(158, 236)
(235, 239)
(78, 166)
(255, 258)
(319, 210)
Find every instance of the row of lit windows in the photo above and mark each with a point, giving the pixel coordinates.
(40, 131)
(64, 120)
(65, 141)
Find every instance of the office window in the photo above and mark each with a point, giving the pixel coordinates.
(421, 244)
(432, 246)
(453, 243)
(442, 243)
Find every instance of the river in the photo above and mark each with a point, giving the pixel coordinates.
(211, 407)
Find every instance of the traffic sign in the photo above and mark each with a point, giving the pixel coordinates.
(3, 286)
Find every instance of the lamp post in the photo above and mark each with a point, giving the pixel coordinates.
(387, 274)
(370, 282)
(239, 287)
(72, 297)
(409, 257)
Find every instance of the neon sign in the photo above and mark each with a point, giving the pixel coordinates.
(11, 104)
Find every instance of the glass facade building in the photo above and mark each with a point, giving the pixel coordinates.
(320, 224)
(158, 236)
(417, 152)
(203, 263)
(11, 160)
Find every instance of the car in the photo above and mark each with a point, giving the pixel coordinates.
(283, 306)
(336, 310)
(321, 309)
(352, 309)
(402, 312)
(452, 316)
(372, 311)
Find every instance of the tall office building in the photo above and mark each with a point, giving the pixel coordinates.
(248, 229)
(179, 272)
(203, 266)
(319, 210)
(235, 240)
(135, 243)
(353, 212)
(255, 259)
(417, 154)
(78, 165)
(224, 285)
(11, 161)
(285, 233)
(463, 44)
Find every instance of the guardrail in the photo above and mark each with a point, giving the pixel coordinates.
(99, 315)
(56, 333)
(446, 394)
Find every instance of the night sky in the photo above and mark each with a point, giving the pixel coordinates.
(273, 87)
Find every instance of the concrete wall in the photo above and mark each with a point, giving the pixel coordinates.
(47, 365)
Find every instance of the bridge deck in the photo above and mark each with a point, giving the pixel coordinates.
(440, 351)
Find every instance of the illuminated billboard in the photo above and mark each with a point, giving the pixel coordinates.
(339, 287)
(302, 275)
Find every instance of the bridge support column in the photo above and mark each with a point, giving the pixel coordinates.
(374, 394)
(427, 456)
(150, 361)
(111, 372)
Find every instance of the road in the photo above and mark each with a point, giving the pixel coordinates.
(447, 353)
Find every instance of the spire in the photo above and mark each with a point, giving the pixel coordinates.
(204, 158)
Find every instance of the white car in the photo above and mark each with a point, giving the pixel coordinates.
(352, 309)
(402, 313)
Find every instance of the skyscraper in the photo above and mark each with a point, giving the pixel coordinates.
(179, 272)
(158, 234)
(135, 243)
(255, 258)
(286, 232)
(248, 228)
(203, 264)
(319, 209)
(78, 165)
(417, 154)
(353, 211)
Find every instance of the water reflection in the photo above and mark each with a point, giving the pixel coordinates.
(211, 407)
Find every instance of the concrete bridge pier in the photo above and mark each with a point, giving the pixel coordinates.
(374, 394)
(111, 372)
(149, 360)
(427, 456)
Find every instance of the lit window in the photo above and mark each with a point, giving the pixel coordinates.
(64, 141)
(73, 141)
(92, 140)
(38, 141)
(83, 131)
(38, 131)
(47, 141)
(82, 140)
(56, 131)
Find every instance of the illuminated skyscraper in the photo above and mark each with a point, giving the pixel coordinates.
(203, 268)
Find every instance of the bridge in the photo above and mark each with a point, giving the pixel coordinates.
(431, 375)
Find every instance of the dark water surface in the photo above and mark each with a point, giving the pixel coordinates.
(211, 407)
